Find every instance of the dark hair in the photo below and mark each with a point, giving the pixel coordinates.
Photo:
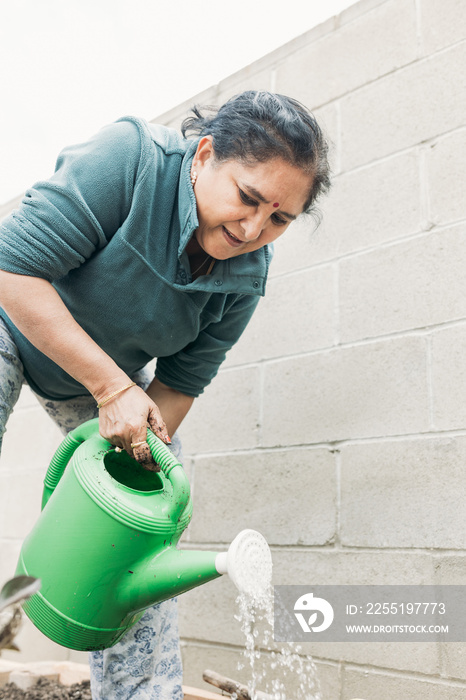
(259, 126)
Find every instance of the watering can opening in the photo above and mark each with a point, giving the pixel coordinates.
(130, 473)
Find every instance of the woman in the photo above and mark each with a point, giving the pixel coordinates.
(144, 245)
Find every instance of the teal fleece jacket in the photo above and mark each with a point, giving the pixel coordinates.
(109, 229)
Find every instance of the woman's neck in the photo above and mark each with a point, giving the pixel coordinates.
(200, 262)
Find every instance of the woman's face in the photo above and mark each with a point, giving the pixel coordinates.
(242, 208)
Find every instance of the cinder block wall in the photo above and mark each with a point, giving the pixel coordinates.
(337, 426)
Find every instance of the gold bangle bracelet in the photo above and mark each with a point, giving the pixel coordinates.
(110, 396)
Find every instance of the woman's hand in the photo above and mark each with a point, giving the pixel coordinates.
(124, 420)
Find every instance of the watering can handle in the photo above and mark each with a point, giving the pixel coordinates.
(160, 452)
(63, 455)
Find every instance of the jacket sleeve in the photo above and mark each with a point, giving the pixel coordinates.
(190, 370)
(63, 220)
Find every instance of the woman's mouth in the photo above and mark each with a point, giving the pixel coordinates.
(231, 239)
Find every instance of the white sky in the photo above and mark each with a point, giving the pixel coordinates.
(67, 67)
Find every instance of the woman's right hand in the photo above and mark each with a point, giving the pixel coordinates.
(124, 420)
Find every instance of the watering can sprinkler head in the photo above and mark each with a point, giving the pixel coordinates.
(248, 562)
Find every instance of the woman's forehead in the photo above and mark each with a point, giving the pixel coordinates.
(275, 181)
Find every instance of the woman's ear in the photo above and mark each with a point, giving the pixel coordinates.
(204, 152)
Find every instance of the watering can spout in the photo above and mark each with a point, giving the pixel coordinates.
(173, 571)
(170, 573)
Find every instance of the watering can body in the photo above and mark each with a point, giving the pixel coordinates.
(104, 545)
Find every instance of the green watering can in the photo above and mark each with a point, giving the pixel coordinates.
(105, 543)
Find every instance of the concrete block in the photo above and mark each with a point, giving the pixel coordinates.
(352, 12)
(30, 440)
(375, 685)
(449, 377)
(26, 399)
(450, 570)
(297, 315)
(362, 391)
(290, 497)
(9, 553)
(199, 657)
(303, 245)
(226, 416)
(208, 612)
(331, 566)
(224, 660)
(445, 166)
(20, 503)
(407, 493)
(442, 24)
(404, 286)
(338, 567)
(173, 117)
(374, 44)
(368, 207)
(454, 660)
(329, 121)
(251, 77)
(403, 109)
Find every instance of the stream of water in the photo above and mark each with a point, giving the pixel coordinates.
(278, 669)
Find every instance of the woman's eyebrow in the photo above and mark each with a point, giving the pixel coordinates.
(255, 193)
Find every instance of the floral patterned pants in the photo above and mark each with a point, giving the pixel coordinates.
(146, 663)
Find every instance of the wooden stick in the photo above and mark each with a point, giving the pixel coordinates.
(232, 687)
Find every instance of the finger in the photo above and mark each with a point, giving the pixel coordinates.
(157, 425)
(136, 436)
(143, 455)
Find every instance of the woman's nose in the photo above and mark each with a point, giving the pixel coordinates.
(253, 226)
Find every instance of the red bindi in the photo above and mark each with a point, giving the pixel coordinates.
(276, 204)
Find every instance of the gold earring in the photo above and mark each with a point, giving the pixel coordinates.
(193, 177)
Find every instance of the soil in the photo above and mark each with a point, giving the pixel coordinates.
(47, 690)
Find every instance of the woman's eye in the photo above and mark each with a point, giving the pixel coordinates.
(246, 199)
(278, 220)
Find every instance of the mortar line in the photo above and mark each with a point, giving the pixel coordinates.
(430, 382)
(431, 552)
(338, 467)
(434, 678)
(336, 305)
(339, 140)
(433, 229)
(420, 332)
(260, 417)
(389, 73)
(237, 647)
(355, 169)
(332, 444)
(350, 665)
(418, 13)
(426, 222)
